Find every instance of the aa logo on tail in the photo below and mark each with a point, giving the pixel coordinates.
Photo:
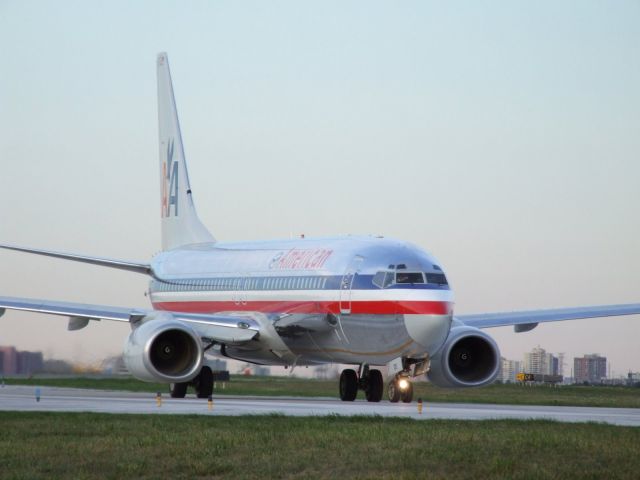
(170, 183)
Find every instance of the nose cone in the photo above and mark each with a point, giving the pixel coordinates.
(428, 331)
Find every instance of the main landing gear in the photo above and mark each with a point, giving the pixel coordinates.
(368, 380)
(202, 384)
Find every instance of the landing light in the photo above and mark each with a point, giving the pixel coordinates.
(403, 384)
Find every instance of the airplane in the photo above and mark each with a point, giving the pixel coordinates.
(363, 301)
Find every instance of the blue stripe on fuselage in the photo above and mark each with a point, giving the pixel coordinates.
(274, 283)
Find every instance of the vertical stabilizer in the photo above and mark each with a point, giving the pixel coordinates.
(180, 222)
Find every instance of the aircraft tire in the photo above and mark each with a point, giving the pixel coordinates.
(407, 395)
(178, 390)
(375, 387)
(393, 392)
(204, 383)
(348, 385)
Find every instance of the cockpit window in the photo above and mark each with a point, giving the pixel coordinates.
(409, 277)
(437, 278)
(378, 279)
(388, 278)
(384, 279)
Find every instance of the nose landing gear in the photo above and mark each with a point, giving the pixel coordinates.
(400, 388)
(369, 380)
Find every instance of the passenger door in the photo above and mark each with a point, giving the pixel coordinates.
(346, 285)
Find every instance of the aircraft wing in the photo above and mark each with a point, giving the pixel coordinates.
(527, 320)
(103, 262)
(228, 329)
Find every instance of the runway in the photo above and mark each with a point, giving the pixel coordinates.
(52, 399)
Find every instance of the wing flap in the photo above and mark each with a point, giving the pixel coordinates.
(528, 318)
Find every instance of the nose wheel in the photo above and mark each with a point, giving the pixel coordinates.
(400, 389)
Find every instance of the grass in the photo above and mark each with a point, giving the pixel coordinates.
(87, 446)
(592, 396)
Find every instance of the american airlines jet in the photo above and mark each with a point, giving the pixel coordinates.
(362, 301)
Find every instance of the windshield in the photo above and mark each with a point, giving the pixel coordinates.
(386, 279)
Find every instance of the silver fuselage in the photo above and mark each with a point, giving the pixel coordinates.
(342, 300)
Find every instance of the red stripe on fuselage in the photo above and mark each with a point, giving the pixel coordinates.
(357, 307)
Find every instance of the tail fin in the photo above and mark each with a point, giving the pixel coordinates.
(180, 222)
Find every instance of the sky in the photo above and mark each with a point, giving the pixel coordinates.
(503, 137)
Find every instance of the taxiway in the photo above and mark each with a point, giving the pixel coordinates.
(53, 399)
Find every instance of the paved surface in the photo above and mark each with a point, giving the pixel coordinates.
(54, 399)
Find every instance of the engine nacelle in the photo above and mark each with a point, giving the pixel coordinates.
(468, 358)
(163, 349)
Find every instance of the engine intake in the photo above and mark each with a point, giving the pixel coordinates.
(163, 349)
(468, 358)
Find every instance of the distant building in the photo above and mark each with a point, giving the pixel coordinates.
(633, 378)
(14, 362)
(590, 368)
(29, 363)
(538, 361)
(9, 360)
(325, 372)
(509, 369)
(59, 367)
(216, 364)
(114, 366)
(260, 371)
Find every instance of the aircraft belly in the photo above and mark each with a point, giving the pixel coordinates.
(374, 339)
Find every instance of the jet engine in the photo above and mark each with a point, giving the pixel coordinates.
(468, 358)
(163, 349)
